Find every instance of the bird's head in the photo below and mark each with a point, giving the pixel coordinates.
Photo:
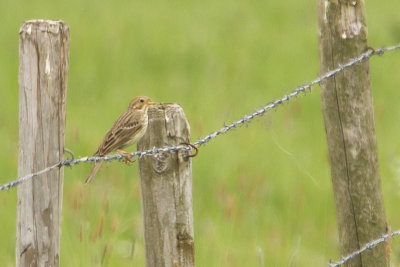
(141, 103)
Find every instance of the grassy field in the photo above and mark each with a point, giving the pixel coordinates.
(261, 191)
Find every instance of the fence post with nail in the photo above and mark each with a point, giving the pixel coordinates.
(350, 130)
(166, 189)
(165, 152)
(43, 69)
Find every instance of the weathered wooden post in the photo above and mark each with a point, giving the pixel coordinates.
(43, 69)
(349, 123)
(166, 189)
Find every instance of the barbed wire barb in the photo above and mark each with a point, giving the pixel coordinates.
(367, 246)
(202, 141)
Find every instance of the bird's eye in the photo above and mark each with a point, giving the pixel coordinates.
(141, 100)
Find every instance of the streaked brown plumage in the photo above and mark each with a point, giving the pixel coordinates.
(126, 130)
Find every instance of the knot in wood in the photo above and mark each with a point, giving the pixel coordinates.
(161, 162)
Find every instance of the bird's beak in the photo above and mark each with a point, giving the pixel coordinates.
(149, 102)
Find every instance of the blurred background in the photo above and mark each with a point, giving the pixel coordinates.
(262, 194)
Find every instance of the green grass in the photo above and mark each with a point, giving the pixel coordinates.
(263, 187)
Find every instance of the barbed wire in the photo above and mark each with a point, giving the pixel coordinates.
(367, 246)
(71, 162)
(296, 92)
(202, 141)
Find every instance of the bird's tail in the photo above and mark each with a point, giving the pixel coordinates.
(93, 172)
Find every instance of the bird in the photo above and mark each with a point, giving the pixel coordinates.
(128, 129)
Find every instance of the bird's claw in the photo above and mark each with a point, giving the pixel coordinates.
(127, 156)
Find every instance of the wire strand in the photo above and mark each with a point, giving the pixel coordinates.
(202, 141)
(367, 246)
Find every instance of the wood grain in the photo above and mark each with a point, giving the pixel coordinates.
(43, 69)
(166, 189)
(349, 122)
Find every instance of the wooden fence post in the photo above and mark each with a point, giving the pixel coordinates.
(166, 189)
(43, 68)
(349, 123)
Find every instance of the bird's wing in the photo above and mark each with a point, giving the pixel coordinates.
(121, 132)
